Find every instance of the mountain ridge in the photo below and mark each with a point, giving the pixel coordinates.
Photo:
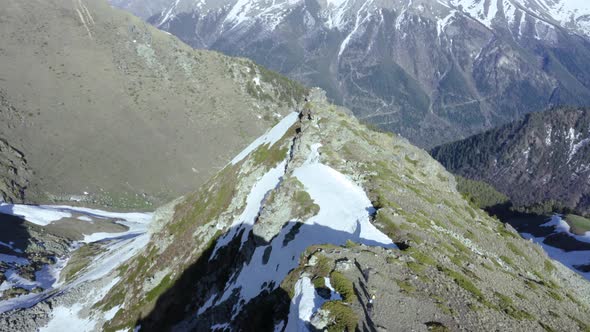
(276, 213)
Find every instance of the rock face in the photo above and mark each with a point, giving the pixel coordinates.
(433, 71)
(543, 159)
(14, 173)
(100, 102)
(312, 220)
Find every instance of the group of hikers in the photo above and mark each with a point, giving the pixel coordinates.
(306, 112)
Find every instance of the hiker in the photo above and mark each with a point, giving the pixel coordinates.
(371, 304)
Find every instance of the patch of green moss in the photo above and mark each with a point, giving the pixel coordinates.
(579, 225)
(323, 266)
(515, 249)
(415, 267)
(459, 260)
(554, 295)
(507, 260)
(305, 205)
(463, 282)
(445, 308)
(548, 266)
(436, 327)
(350, 244)
(343, 317)
(288, 284)
(518, 314)
(531, 284)
(160, 289)
(573, 299)
(114, 300)
(270, 155)
(460, 247)
(421, 257)
(506, 233)
(387, 225)
(319, 282)
(343, 286)
(504, 300)
(405, 286)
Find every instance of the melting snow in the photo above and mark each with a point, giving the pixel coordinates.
(567, 258)
(343, 215)
(253, 205)
(561, 226)
(40, 215)
(67, 318)
(270, 138)
(119, 248)
(305, 302)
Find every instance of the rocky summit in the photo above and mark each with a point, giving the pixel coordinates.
(433, 71)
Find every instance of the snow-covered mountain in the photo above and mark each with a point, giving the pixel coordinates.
(573, 15)
(433, 71)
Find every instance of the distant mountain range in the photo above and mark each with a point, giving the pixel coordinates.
(433, 71)
(541, 161)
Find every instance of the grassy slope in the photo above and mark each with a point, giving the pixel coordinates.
(110, 105)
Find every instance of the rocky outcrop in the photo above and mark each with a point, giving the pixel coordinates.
(14, 173)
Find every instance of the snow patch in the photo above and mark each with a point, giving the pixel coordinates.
(305, 302)
(71, 318)
(270, 138)
(561, 226)
(344, 215)
(254, 203)
(567, 258)
(40, 215)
